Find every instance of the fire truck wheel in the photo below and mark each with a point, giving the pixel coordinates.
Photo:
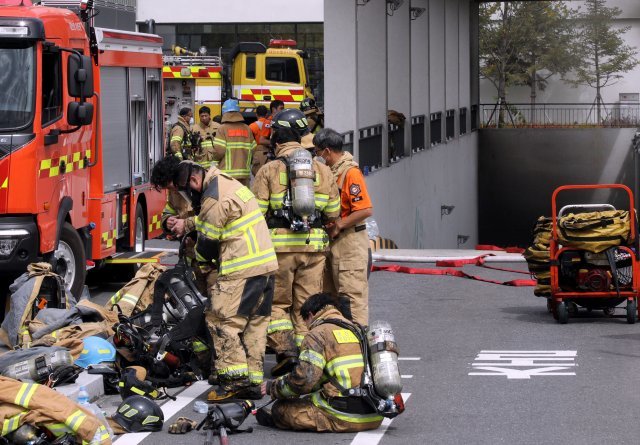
(632, 312)
(563, 312)
(69, 259)
(138, 230)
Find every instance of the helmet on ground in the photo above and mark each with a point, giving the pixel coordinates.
(308, 104)
(291, 118)
(132, 382)
(96, 350)
(138, 414)
(230, 105)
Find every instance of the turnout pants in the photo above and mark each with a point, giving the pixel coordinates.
(238, 320)
(346, 271)
(303, 415)
(298, 277)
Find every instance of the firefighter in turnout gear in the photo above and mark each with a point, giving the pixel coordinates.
(234, 143)
(261, 130)
(178, 216)
(43, 407)
(232, 235)
(203, 154)
(297, 195)
(315, 117)
(180, 136)
(348, 258)
(330, 357)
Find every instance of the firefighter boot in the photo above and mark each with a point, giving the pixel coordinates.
(235, 390)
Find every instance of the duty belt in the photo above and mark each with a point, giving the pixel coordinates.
(359, 228)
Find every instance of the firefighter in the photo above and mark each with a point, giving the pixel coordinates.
(329, 354)
(180, 136)
(234, 143)
(300, 246)
(313, 114)
(348, 258)
(38, 405)
(178, 216)
(232, 235)
(206, 128)
(261, 130)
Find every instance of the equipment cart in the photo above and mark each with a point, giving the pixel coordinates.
(597, 268)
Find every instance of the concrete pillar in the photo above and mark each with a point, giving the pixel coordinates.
(399, 67)
(340, 67)
(372, 68)
(420, 65)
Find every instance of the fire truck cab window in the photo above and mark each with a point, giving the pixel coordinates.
(51, 87)
(282, 69)
(251, 67)
(17, 79)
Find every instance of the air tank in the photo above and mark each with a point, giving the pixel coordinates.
(302, 178)
(384, 359)
(38, 368)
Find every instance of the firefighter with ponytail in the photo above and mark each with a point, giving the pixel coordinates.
(298, 196)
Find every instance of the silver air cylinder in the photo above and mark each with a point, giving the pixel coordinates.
(302, 177)
(384, 359)
(38, 368)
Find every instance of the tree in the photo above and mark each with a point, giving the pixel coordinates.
(603, 50)
(548, 47)
(499, 40)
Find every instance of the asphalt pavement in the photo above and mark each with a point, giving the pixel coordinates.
(482, 364)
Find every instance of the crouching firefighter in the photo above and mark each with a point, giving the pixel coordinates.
(332, 358)
(232, 236)
(298, 195)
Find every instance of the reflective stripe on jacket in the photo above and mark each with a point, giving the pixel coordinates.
(270, 187)
(231, 217)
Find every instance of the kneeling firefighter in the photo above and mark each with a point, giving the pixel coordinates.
(334, 356)
(298, 196)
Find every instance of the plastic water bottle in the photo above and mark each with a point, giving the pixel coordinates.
(201, 407)
(83, 401)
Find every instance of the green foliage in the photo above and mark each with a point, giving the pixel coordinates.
(605, 56)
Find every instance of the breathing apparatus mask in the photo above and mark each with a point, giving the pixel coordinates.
(226, 417)
(182, 183)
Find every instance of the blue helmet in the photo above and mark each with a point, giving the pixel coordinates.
(230, 105)
(96, 350)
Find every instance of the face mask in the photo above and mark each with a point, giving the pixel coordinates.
(192, 121)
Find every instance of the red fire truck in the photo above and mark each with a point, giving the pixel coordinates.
(80, 127)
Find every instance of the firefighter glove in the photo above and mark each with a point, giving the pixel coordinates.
(182, 426)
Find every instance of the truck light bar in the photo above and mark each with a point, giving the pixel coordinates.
(282, 43)
(15, 31)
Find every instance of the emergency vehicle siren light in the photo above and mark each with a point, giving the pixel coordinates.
(20, 31)
(282, 43)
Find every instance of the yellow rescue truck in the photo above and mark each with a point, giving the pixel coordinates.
(255, 75)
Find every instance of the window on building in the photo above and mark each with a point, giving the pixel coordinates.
(450, 124)
(51, 86)
(250, 69)
(463, 120)
(282, 69)
(435, 128)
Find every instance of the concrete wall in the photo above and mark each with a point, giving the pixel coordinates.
(520, 168)
(221, 11)
(415, 67)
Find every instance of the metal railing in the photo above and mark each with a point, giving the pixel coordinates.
(560, 115)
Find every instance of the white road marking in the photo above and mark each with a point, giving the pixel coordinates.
(410, 358)
(169, 409)
(407, 376)
(538, 363)
(373, 437)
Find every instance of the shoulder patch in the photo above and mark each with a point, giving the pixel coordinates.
(344, 336)
(244, 193)
(355, 189)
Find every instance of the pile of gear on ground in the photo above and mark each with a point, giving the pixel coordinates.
(150, 336)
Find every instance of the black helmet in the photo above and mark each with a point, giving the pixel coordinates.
(139, 414)
(290, 118)
(308, 104)
(133, 382)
